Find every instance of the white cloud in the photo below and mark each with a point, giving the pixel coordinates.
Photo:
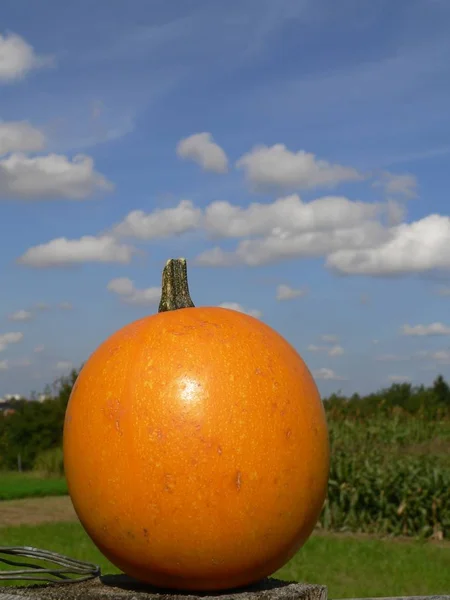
(335, 350)
(38, 349)
(201, 148)
(20, 136)
(4, 365)
(160, 223)
(440, 356)
(12, 337)
(397, 185)
(415, 247)
(42, 306)
(281, 245)
(314, 348)
(17, 58)
(424, 330)
(349, 234)
(21, 315)
(216, 257)
(235, 306)
(329, 338)
(50, 177)
(62, 252)
(288, 214)
(285, 292)
(327, 374)
(278, 166)
(124, 287)
(63, 365)
(396, 212)
(399, 379)
(121, 286)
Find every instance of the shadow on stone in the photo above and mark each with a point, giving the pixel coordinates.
(128, 583)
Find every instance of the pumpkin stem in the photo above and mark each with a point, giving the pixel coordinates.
(175, 288)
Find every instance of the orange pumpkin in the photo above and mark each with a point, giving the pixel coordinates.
(195, 446)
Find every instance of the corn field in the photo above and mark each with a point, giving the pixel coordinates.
(389, 475)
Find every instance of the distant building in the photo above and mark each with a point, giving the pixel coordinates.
(7, 411)
(6, 407)
(9, 397)
(7, 404)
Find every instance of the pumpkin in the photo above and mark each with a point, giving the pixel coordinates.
(195, 446)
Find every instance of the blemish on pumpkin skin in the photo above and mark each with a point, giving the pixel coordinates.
(169, 483)
(145, 532)
(288, 434)
(238, 481)
(219, 450)
(207, 443)
(114, 350)
(202, 322)
(114, 411)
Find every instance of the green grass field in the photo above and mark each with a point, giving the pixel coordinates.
(349, 566)
(14, 486)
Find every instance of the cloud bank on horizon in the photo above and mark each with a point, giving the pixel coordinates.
(306, 185)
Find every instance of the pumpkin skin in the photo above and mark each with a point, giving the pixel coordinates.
(196, 449)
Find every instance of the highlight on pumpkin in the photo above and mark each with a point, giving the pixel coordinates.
(196, 446)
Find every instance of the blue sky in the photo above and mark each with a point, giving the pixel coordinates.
(296, 152)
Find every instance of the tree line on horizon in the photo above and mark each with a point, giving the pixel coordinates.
(34, 427)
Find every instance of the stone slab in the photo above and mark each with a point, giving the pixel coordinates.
(121, 587)
(436, 597)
